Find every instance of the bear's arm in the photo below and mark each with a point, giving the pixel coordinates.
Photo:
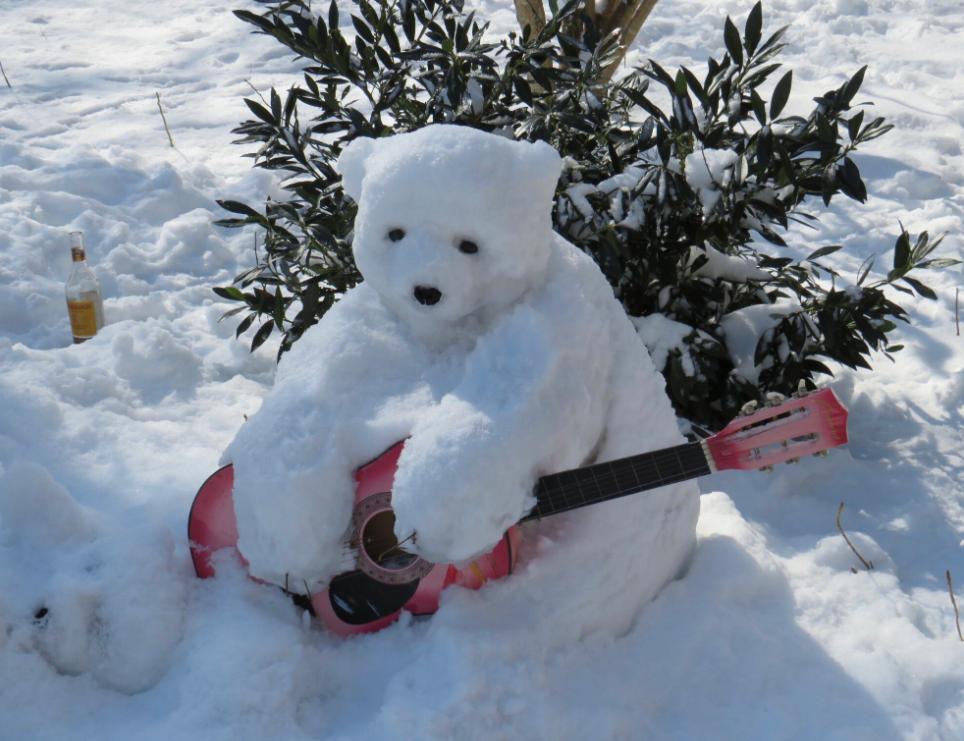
(294, 459)
(531, 401)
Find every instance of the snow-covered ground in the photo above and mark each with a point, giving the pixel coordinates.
(770, 635)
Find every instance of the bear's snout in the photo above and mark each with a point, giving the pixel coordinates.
(427, 295)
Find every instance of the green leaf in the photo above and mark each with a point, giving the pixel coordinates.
(408, 21)
(261, 335)
(259, 110)
(362, 29)
(256, 20)
(828, 183)
(853, 125)
(815, 366)
(922, 248)
(236, 207)
(278, 312)
(732, 39)
(661, 75)
(773, 43)
(920, 288)
(759, 108)
(753, 28)
(823, 251)
(781, 94)
(771, 236)
(523, 90)
(229, 292)
(764, 147)
(875, 128)
(938, 263)
(902, 252)
(243, 326)
(850, 89)
(231, 312)
(851, 182)
(696, 87)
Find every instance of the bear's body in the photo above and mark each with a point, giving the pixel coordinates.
(492, 345)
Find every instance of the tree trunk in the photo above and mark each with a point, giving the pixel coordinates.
(531, 13)
(626, 15)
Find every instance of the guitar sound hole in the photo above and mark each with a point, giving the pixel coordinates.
(380, 544)
(358, 599)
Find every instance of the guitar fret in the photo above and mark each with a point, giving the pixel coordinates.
(659, 474)
(595, 481)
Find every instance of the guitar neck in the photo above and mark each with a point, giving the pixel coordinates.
(580, 487)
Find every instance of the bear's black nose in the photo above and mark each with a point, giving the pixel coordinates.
(427, 296)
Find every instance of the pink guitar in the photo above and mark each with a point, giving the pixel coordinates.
(388, 579)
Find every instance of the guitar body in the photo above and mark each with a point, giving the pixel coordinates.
(373, 595)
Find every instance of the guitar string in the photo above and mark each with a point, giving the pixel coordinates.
(577, 479)
(616, 480)
(554, 508)
(618, 474)
(560, 491)
(553, 492)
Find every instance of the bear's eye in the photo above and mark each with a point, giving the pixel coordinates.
(468, 247)
(396, 235)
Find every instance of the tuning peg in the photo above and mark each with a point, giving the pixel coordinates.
(768, 469)
(821, 454)
(747, 409)
(792, 460)
(775, 398)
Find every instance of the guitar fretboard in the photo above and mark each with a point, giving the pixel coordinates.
(560, 492)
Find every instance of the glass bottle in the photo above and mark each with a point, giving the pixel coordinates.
(84, 302)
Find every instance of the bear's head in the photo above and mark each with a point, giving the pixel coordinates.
(453, 223)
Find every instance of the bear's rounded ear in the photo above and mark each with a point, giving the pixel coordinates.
(538, 170)
(351, 165)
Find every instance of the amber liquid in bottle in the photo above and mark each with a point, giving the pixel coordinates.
(84, 303)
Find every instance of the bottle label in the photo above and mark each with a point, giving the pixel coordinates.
(83, 318)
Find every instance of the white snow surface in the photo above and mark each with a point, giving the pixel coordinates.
(726, 267)
(770, 634)
(707, 171)
(744, 328)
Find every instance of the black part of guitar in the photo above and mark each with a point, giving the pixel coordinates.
(357, 599)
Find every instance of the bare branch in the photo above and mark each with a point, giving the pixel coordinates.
(957, 614)
(5, 78)
(164, 118)
(867, 564)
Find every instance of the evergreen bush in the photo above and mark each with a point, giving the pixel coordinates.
(683, 203)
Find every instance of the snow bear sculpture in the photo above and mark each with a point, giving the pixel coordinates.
(495, 348)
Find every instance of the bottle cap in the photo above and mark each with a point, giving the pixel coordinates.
(77, 246)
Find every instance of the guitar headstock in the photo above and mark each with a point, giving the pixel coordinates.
(783, 433)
